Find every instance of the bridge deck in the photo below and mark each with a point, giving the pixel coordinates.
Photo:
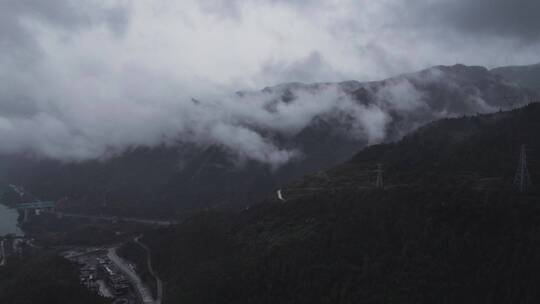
(36, 205)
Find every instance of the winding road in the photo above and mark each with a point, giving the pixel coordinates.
(151, 269)
(142, 290)
(118, 218)
(280, 195)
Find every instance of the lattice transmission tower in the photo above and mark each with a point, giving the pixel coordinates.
(522, 180)
(379, 183)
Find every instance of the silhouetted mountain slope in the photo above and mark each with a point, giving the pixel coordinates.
(440, 232)
(184, 177)
(527, 76)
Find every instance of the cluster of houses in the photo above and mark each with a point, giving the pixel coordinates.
(14, 246)
(100, 275)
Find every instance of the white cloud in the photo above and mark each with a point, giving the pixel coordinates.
(79, 81)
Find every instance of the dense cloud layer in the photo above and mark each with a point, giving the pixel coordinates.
(84, 79)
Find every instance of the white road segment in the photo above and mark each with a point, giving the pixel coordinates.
(280, 196)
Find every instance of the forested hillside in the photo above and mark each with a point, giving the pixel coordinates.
(181, 176)
(449, 227)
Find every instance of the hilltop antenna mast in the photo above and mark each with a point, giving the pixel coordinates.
(379, 183)
(522, 180)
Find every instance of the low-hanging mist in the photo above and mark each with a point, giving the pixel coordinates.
(95, 128)
(76, 126)
(87, 80)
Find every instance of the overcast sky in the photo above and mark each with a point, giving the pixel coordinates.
(77, 76)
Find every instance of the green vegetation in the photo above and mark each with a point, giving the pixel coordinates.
(448, 228)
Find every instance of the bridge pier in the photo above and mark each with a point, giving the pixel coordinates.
(26, 216)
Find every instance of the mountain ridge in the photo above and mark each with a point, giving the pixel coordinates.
(184, 177)
(524, 75)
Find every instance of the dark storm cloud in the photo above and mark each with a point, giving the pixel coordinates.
(519, 19)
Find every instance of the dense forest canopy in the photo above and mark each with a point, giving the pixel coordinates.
(449, 227)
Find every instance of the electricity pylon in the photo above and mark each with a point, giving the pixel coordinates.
(522, 180)
(379, 183)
